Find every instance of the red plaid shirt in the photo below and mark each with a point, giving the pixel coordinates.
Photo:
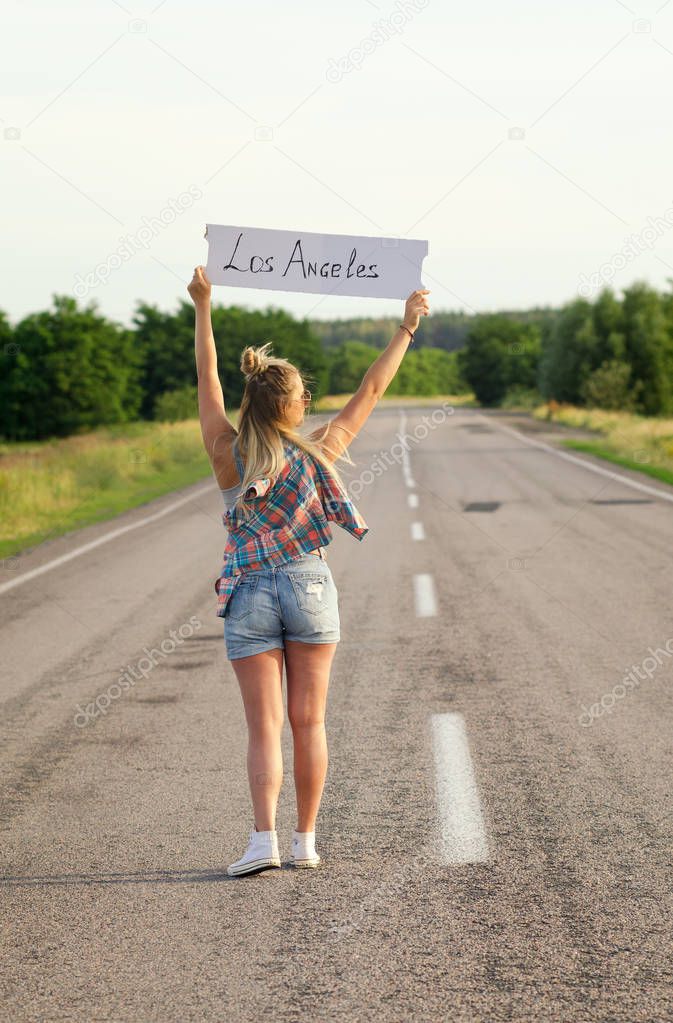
(289, 518)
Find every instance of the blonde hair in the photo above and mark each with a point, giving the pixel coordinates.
(262, 430)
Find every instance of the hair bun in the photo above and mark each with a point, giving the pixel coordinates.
(255, 361)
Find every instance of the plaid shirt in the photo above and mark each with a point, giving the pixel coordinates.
(289, 518)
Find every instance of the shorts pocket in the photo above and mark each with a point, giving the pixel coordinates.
(314, 592)
(242, 601)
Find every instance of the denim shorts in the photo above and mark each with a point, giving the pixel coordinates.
(297, 600)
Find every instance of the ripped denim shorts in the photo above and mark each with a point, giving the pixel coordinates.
(297, 600)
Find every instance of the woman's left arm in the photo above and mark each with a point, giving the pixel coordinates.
(212, 414)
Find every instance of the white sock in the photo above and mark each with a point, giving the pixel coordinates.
(303, 841)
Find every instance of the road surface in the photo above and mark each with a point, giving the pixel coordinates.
(496, 825)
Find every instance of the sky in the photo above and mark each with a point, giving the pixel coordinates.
(529, 143)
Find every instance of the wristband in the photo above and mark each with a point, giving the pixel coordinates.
(408, 332)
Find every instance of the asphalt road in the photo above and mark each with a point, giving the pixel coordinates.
(523, 875)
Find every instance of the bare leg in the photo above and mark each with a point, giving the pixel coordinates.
(307, 667)
(260, 678)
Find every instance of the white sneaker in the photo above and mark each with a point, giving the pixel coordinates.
(303, 849)
(261, 854)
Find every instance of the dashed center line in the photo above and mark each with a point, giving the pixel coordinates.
(424, 596)
(461, 826)
(462, 832)
(417, 531)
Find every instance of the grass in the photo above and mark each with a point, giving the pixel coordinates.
(655, 471)
(48, 488)
(641, 443)
(51, 487)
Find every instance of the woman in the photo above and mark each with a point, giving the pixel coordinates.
(276, 592)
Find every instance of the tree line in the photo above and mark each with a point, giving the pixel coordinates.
(615, 353)
(69, 368)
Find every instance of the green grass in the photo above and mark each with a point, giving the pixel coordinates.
(51, 488)
(641, 443)
(657, 472)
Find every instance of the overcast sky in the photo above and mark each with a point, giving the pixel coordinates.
(526, 141)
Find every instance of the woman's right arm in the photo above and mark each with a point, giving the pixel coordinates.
(346, 425)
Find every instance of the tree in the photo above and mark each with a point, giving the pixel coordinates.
(166, 343)
(500, 354)
(348, 364)
(609, 387)
(9, 357)
(568, 353)
(73, 370)
(649, 348)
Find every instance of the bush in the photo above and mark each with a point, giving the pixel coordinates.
(608, 387)
(522, 397)
(182, 403)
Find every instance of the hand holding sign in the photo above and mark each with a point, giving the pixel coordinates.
(416, 306)
(199, 287)
(332, 264)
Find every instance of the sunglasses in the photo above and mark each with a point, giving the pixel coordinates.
(305, 397)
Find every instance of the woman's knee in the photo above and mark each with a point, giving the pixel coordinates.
(265, 725)
(306, 722)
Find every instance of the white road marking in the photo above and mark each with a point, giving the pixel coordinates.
(25, 576)
(406, 470)
(462, 831)
(424, 596)
(581, 461)
(406, 466)
(413, 500)
(417, 531)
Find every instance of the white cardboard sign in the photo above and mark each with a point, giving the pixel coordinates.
(330, 264)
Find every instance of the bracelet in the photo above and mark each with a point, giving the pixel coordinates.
(408, 332)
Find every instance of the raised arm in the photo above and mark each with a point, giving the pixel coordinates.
(212, 414)
(335, 436)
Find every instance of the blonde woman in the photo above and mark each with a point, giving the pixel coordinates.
(276, 593)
